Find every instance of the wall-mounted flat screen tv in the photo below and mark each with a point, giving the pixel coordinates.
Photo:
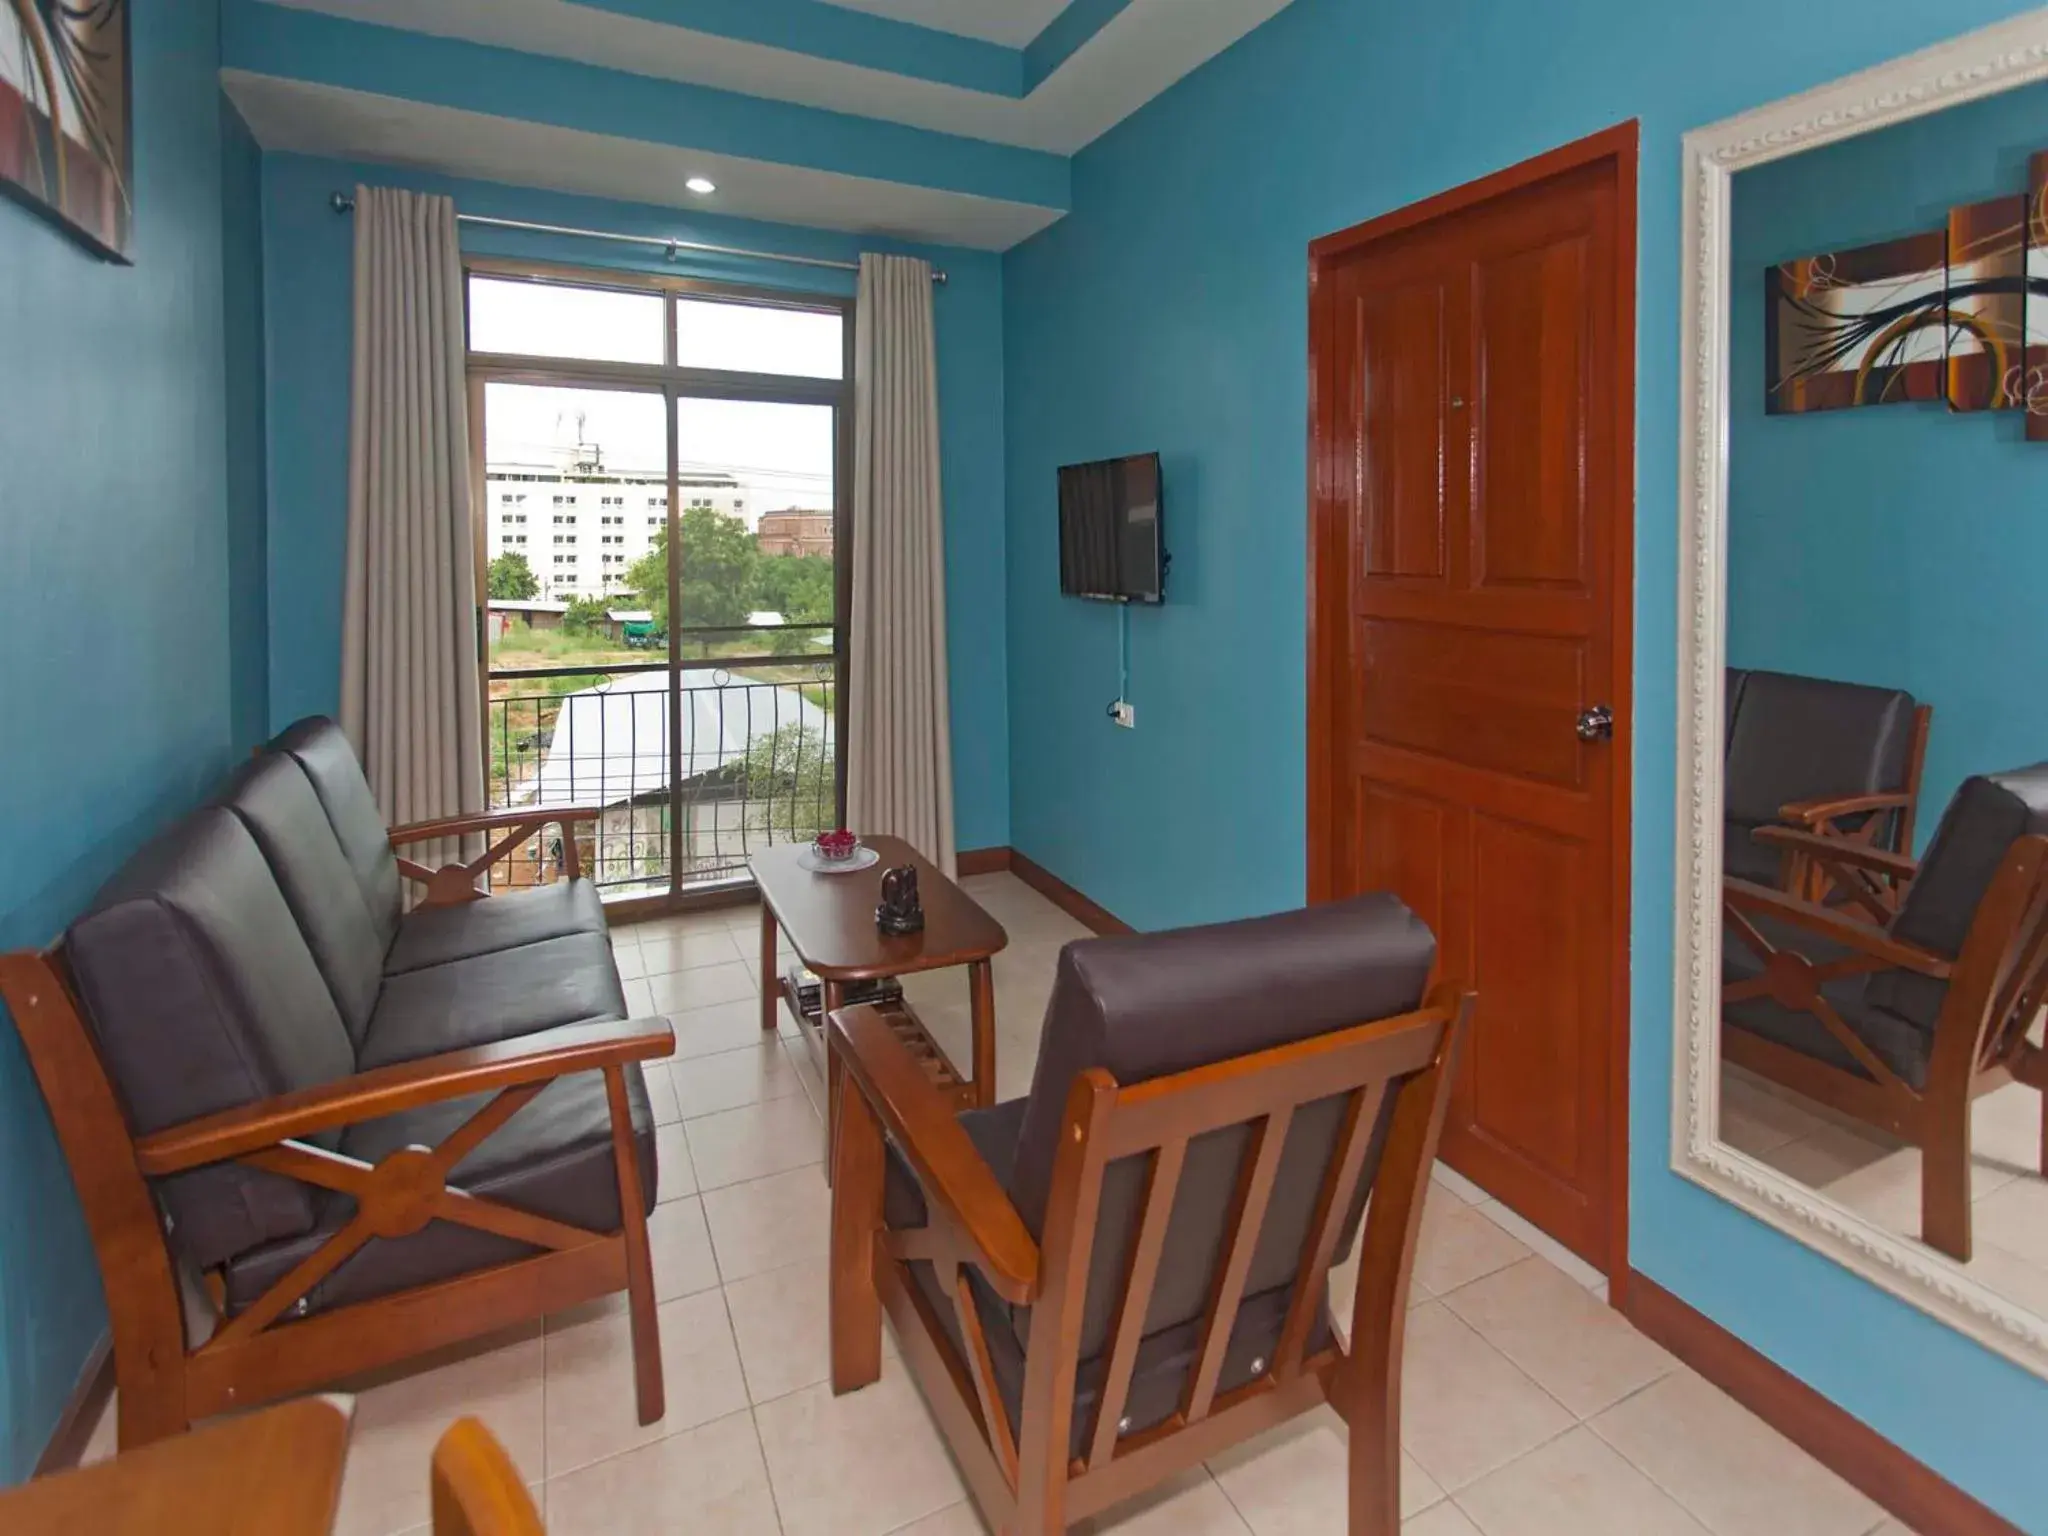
(1112, 538)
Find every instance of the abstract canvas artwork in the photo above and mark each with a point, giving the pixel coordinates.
(1958, 315)
(64, 116)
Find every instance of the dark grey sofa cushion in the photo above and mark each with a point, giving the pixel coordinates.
(553, 1158)
(1803, 738)
(278, 804)
(330, 762)
(437, 935)
(494, 997)
(202, 995)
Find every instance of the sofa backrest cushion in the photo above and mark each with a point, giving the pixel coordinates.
(330, 762)
(1155, 1004)
(202, 995)
(278, 804)
(1986, 816)
(1805, 738)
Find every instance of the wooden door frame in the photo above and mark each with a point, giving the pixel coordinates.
(1327, 566)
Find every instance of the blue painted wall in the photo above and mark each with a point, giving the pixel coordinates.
(1168, 312)
(242, 336)
(307, 305)
(1899, 546)
(116, 599)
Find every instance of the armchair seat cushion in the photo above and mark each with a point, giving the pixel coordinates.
(493, 997)
(432, 936)
(553, 1158)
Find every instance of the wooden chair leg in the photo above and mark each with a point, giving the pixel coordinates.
(149, 1404)
(646, 1326)
(1945, 1185)
(858, 1170)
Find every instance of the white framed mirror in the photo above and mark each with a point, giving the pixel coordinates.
(1862, 872)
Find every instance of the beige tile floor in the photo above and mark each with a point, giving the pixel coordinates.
(1529, 1408)
(1878, 1176)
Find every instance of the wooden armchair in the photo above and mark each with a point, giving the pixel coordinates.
(1915, 993)
(1107, 1282)
(1839, 760)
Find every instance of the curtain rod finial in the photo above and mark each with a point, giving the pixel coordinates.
(669, 252)
(341, 202)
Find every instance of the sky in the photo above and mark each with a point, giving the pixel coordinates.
(782, 453)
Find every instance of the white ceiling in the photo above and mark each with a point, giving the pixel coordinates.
(300, 118)
(1013, 23)
(1141, 52)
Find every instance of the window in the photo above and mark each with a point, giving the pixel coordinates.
(527, 319)
(655, 395)
(759, 338)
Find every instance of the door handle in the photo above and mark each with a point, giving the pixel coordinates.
(1596, 724)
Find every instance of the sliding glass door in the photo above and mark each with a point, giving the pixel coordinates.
(660, 537)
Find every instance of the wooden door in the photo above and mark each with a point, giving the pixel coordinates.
(1470, 527)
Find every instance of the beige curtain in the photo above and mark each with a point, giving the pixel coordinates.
(409, 685)
(899, 772)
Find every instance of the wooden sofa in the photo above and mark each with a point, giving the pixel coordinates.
(367, 1131)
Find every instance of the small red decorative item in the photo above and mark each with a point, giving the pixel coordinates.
(841, 844)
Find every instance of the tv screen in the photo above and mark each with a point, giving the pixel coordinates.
(1111, 535)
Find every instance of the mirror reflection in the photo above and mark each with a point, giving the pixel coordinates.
(1885, 911)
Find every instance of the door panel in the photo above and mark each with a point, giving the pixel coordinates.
(1402, 349)
(1472, 465)
(1492, 699)
(1529, 523)
(1526, 1101)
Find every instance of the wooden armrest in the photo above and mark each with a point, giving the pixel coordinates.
(1835, 926)
(488, 821)
(549, 1053)
(1839, 850)
(1814, 813)
(922, 1119)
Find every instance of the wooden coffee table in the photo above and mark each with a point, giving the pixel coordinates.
(829, 920)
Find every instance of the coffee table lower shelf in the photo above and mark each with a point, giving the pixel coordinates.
(909, 1028)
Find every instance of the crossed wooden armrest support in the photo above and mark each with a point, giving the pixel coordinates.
(1807, 872)
(1870, 879)
(455, 884)
(408, 1188)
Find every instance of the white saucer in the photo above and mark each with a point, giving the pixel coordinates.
(863, 858)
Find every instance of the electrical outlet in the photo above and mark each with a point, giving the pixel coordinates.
(1125, 715)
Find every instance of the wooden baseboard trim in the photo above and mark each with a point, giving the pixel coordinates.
(982, 861)
(82, 1409)
(1065, 897)
(1854, 1451)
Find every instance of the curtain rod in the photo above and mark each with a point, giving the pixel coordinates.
(341, 202)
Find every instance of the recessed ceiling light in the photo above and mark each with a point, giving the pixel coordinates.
(703, 186)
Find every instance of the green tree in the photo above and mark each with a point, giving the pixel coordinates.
(717, 573)
(510, 577)
(586, 615)
(799, 587)
(790, 784)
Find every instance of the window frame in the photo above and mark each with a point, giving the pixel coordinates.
(675, 383)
